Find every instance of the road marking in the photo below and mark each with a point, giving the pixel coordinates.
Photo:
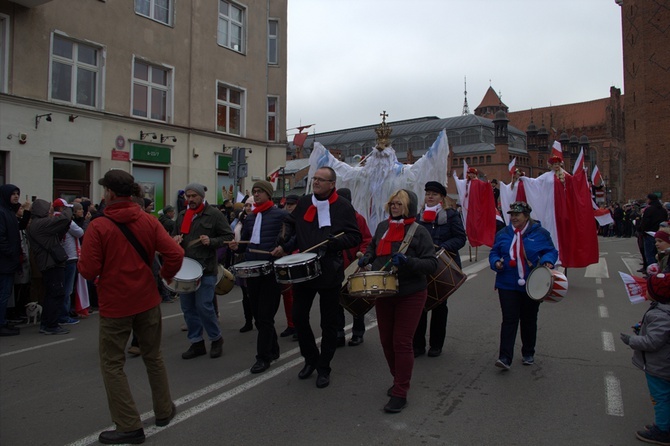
(184, 415)
(608, 341)
(23, 350)
(632, 263)
(613, 395)
(600, 293)
(599, 281)
(598, 269)
(472, 269)
(602, 310)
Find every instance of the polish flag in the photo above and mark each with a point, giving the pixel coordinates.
(596, 178)
(579, 164)
(511, 166)
(273, 178)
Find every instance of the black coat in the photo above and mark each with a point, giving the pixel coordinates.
(273, 222)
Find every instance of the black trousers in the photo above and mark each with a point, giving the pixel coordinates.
(438, 328)
(517, 310)
(329, 304)
(264, 296)
(54, 296)
(359, 324)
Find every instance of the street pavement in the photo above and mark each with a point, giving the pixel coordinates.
(583, 389)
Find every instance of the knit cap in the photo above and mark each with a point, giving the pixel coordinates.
(197, 188)
(658, 287)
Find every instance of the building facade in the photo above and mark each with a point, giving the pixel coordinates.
(163, 89)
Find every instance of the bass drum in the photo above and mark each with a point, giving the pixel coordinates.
(225, 281)
(548, 285)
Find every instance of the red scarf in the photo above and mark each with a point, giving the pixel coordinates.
(395, 233)
(188, 218)
(263, 207)
(311, 211)
(430, 212)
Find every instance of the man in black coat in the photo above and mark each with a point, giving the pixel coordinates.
(320, 217)
(652, 217)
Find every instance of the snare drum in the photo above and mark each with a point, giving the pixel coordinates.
(372, 284)
(251, 268)
(297, 268)
(546, 284)
(187, 279)
(224, 281)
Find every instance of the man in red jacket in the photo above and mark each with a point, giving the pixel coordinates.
(129, 301)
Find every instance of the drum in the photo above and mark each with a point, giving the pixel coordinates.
(446, 279)
(357, 306)
(224, 281)
(251, 268)
(297, 268)
(372, 284)
(546, 284)
(187, 279)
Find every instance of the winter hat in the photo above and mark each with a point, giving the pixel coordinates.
(662, 235)
(197, 188)
(61, 203)
(658, 287)
(265, 186)
(434, 186)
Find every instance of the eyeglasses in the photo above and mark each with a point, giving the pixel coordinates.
(321, 180)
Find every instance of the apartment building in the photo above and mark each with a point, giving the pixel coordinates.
(163, 89)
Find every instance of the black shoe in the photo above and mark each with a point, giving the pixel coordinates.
(322, 380)
(9, 331)
(260, 366)
(217, 348)
(434, 351)
(160, 422)
(196, 349)
(288, 332)
(306, 371)
(395, 404)
(355, 340)
(247, 327)
(340, 341)
(420, 352)
(274, 357)
(116, 437)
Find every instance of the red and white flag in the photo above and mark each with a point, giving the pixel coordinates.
(273, 177)
(596, 178)
(636, 287)
(579, 164)
(603, 216)
(511, 166)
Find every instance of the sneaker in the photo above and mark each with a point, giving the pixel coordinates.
(502, 364)
(57, 330)
(69, 321)
(654, 435)
(396, 404)
(528, 360)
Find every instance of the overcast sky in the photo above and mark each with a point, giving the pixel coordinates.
(350, 59)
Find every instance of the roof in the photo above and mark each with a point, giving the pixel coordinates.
(293, 166)
(562, 117)
(490, 99)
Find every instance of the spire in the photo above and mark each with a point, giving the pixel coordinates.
(466, 109)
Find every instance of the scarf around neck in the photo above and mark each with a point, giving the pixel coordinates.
(189, 216)
(258, 212)
(322, 207)
(430, 212)
(394, 233)
(517, 254)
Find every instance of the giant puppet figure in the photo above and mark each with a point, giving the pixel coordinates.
(380, 174)
(514, 191)
(478, 207)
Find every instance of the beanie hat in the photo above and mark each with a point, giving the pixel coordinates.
(434, 186)
(197, 188)
(658, 287)
(662, 235)
(265, 186)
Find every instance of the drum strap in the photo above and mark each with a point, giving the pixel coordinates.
(408, 237)
(133, 241)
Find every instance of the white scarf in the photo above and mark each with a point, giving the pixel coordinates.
(517, 254)
(256, 232)
(323, 211)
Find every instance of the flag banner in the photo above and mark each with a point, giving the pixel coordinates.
(603, 216)
(579, 164)
(596, 178)
(299, 139)
(511, 166)
(636, 287)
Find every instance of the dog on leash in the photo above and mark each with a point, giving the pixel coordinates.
(34, 312)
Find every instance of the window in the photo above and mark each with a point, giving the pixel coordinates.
(273, 43)
(151, 91)
(229, 109)
(231, 26)
(158, 10)
(4, 53)
(273, 104)
(75, 72)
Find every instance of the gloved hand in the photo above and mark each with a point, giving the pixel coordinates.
(398, 259)
(625, 338)
(365, 260)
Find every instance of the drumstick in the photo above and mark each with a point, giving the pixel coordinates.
(258, 251)
(322, 243)
(241, 242)
(193, 243)
(388, 262)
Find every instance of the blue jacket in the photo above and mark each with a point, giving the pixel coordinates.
(539, 250)
(273, 224)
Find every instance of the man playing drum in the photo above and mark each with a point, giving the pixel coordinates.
(201, 229)
(320, 217)
(521, 246)
(261, 229)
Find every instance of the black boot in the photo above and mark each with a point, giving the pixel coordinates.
(196, 349)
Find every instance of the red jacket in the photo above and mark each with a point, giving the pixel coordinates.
(126, 284)
(350, 254)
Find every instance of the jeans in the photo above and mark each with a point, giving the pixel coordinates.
(397, 318)
(329, 302)
(68, 285)
(113, 336)
(649, 249)
(659, 390)
(517, 309)
(53, 297)
(438, 328)
(264, 296)
(199, 313)
(6, 285)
